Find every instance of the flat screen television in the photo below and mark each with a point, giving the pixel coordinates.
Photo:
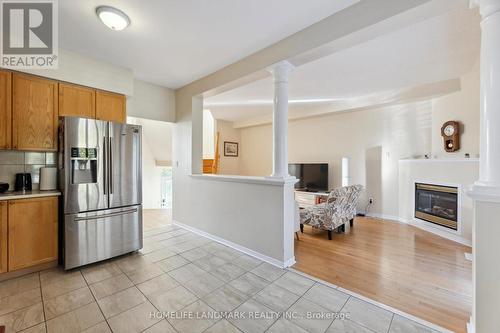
(313, 177)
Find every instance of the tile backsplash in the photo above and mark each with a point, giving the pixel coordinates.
(12, 162)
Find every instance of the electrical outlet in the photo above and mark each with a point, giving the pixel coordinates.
(370, 200)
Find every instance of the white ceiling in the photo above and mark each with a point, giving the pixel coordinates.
(174, 42)
(441, 48)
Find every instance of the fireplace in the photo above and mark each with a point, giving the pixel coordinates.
(437, 204)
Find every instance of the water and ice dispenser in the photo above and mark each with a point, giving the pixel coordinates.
(83, 165)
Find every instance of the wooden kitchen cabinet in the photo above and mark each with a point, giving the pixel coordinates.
(32, 232)
(34, 113)
(5, 109)
(76, 101)
(3, 236)
(110, 106)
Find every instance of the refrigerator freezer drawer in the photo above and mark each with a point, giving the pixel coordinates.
(95, 236)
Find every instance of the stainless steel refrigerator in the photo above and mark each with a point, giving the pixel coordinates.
(101, 175)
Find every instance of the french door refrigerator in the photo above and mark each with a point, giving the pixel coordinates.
(102, 190)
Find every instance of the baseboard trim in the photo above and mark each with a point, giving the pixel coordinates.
(470, 327)
(237, 247)
(384, 217)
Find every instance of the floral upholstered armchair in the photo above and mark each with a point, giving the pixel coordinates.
(339, 208)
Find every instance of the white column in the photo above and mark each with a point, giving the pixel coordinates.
(489, 175)
(486, 191)
(280, 73)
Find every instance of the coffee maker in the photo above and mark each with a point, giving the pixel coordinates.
(23, 182)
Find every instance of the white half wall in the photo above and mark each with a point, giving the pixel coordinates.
(254, 215)
(233, 214)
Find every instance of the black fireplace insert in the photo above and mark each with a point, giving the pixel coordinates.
(437, 204)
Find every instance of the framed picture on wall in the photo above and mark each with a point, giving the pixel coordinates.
(230, 149)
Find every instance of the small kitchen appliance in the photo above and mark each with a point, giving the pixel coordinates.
(4, 187)
(23, 182)
(48, 179)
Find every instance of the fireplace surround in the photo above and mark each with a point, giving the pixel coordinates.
(437, 204)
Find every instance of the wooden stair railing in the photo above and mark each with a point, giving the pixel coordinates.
(208, 165)
(215, 168)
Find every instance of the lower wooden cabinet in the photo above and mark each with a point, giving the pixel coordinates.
(3, 236)
(32, 232)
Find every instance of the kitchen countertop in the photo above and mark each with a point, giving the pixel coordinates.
(28, 194)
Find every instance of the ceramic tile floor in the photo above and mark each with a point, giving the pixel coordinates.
(187, 278)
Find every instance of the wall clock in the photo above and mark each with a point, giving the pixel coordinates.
(451, 136)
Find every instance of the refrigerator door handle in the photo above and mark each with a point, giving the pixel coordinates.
(103, 216)
(111, 165)
(105, 165)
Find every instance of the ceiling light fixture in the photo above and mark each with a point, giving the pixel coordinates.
(113, 18)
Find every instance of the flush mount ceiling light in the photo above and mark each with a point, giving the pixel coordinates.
(113, 18)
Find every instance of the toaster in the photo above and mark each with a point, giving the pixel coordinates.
(4, 187)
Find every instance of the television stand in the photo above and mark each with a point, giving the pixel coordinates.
(308, 199)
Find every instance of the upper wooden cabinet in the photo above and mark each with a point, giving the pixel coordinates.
(5, 109)
(110, 106)
(32, 232)
(34, 113)
(30, 107)
(76, 101)
(3, 236)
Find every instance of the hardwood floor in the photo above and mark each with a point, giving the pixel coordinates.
(395, 264)
(156, 218)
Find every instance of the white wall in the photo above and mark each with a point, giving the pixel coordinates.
(462, 106)
(375, 140)
(151, 101)
(229, 165)
(79, 69)
(156, 148)
(208, 135)
(151, 179)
